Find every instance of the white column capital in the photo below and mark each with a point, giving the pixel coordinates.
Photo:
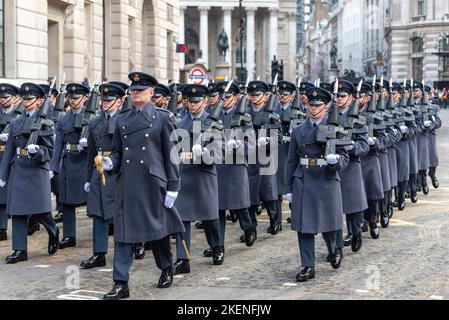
(227, 9)
(204, 9)
(250, 10)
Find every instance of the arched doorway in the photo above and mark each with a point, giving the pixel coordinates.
(148, 37)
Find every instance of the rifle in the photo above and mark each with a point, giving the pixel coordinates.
(240, 117)
(213, 123)
(329, 134)
(173, 105)
(374, 120)
(41, 120)
(91, 109)
(297, 115)
(382, 107)
(353, 118)
(58, 110)
(268, 119)
(424, 107)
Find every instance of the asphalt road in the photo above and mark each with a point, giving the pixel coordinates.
(409, 261)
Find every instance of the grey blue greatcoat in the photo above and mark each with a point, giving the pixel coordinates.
(433, 151)
(422, 142)
(198, 198)
(317, 200)
(29, 189)
(281, 175)
(403, 153)
(372, 176)
(100, 199)
(5, 118)
(263, 187)
(141, 150)
(233, 180)
(413, 146)
(72, 171)
(352, 185)
(383, 140)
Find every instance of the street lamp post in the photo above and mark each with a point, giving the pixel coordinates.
(242, 30)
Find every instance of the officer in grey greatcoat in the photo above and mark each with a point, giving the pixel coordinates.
(198, 199)
(433, 151)
(352, 185)
(101, 189)
(371, 170)
(26, 169)
(413, 148)
(72, 171)
(147, 187)
(314, 186)
(8, 101)
(286, 93)
(233, 180)
(262, 177)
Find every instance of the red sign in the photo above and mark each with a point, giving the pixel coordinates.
(182, 48)
(197, 76)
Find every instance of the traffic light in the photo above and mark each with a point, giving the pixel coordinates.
(281, 70)
(274, 68)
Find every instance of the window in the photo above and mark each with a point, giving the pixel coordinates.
(2, 39)
(421, 7)
(418, 45)
(417, 68)
(446, 44)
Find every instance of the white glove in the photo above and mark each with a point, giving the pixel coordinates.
(289, 197)
(263, 141)
(4, 137)
(107, 164)
(170, 199)
(404, 129)
(83, 142)
(433, 119)
(33, 149)
(332, 159)
(395, 131)
(371, 141)
(427, 124)
(234, 144)
(87, 187)
(349, 148)
(51, 174)
(2, 183)
(197, 150)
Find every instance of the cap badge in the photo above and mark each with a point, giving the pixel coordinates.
(27, 89)
(254, 86)
(136, 78)
(106, 90)
(315, 94)
(73, 88)
(193, 90)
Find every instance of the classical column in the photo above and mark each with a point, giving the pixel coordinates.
(204, 33)
(273, 42)
(250, 42)
(181, 36)
(227, 26)
(291, 63)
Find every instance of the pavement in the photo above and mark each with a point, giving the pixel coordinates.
(409, 261)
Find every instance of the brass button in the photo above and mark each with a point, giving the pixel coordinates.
(126, 148)
(124, 127)
(128, 161)
(141, 162)
(144, 148)
(125, 137)
(147, 135)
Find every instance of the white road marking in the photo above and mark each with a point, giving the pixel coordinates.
(178, 276)
(78, 295)
(105, 270)
(436, 297)
(224, 279)
(399, 222)
(288, 284)
(42, 266)
(361, 291)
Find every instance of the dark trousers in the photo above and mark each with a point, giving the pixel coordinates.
(244, 220)
(211, 230)
(402, 187)
(423, 177)
(412, 184)
(384, 204)
(354, 223)
(59, 206)
(20, 229)
(124, 255)
(279, 209)
(3, 217)
(307, 246)
(271, 208)
(370, 214)
(432, 172)
(69, 220)
(100, 235)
